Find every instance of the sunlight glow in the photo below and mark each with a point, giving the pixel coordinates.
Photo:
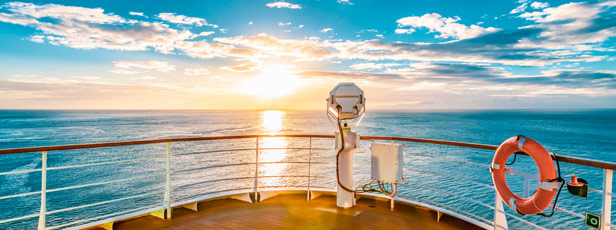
(272, 155)
(272, 121)
(272, 124)
(274, 81)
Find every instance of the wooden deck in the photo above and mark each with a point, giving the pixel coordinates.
(292, 211)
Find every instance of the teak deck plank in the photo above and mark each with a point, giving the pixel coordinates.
(294, 212)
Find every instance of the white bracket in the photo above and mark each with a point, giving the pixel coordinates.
(269, 194)
(192, 206)
(315, 194)
(243, 197)
(106, 226)
(158, 213)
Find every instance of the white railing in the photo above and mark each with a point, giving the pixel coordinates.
(164, 208)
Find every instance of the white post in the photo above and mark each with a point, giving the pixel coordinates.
(500, 220)
(256, 171)
(309, 164)
(606, 210)
(168, 183)
(345, 168)
(41, 224)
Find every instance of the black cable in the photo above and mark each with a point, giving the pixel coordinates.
(365, 188)
(559, 179)
(338, 156)
(515, 155)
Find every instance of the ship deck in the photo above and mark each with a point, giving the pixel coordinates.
(293, 211)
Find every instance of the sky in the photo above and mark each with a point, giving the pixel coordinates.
(95, 54)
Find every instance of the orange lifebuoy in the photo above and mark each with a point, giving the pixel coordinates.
(547, 174)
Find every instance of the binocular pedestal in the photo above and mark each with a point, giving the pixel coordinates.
(344, 198)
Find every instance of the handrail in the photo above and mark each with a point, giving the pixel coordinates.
(431, 141)
(608, 166)
(561, 158)
(144, 142)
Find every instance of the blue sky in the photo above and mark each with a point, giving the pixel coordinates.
(289, 54)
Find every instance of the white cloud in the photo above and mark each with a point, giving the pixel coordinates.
(369, 65)
(345, 2)
(206, 33)
(520, 8)
(379, 35)
(269, 46)
(181, 19)
(283, 5)
(202, 49)
(368, 30)
(539, 5)
(447, 27)
(52, 92)
(404, 31)
(504, 47)
(91, 78)
(37, 38)
(196, 71)
(86, 28)
(300, 26)
(467, 51)
(65, 13)
(18, 19)
(571, 25)
(570, 11)
(142, 78)
(248, 67)
(124, 71)
(144, 65)
(284, 23)
(250, 23)
(136, 14)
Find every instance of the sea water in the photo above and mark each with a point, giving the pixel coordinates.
(580, 133)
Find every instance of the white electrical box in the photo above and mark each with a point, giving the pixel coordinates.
(387, 162)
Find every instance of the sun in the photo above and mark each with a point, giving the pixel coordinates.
(273, 81)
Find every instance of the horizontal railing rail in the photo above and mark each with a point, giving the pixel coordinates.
(562, 158)
(168, 201)
(144, 142)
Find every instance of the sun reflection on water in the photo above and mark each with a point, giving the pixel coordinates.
(272, 121)
(272, 124)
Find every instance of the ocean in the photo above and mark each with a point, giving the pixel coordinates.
(580, 133)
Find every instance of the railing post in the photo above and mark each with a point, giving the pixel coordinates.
(168, 183)
(256, 171)
(500, 220)
(309, 164)
(41, 223)
(606, 210)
